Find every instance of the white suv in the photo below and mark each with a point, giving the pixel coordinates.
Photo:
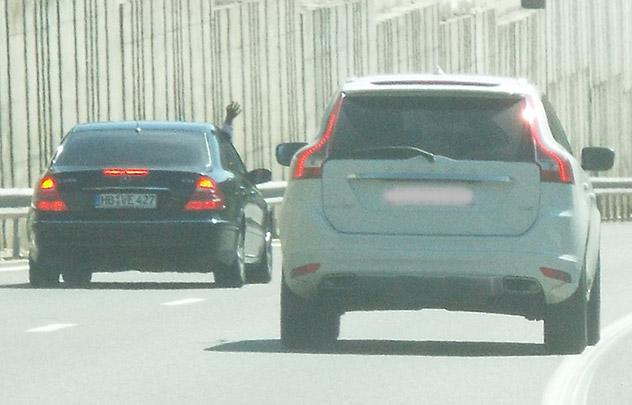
(440, 191)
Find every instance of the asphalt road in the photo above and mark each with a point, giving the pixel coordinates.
(173, 338)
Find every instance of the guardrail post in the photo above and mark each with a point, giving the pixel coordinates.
(16, 238)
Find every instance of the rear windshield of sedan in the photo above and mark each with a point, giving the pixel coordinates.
(163, 149)
(462, 128)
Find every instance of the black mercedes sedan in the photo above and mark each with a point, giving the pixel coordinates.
(149, 196)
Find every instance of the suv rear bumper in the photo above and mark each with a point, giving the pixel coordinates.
(504, 295)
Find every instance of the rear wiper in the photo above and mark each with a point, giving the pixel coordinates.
(386, 152)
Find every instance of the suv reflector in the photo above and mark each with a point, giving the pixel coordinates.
(305, 270)
(556, 274)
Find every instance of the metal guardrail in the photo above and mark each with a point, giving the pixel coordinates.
(614, 199)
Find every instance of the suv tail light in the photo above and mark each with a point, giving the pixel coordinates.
(555, 167)
(308, 161)
(46, 197)
(206, 197)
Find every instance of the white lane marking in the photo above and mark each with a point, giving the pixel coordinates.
(51, 328)
(13, 268)
(571, 381)
(185, 301)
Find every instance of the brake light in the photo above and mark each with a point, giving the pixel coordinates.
(206, 197)
(308, 162)
(114, 172)
(555, 167)
(47, 198)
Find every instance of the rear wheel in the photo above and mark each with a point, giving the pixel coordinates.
(77, 277)
(307, 324)
(261, 273)
(565, 324)
(234, 275)
(42, 276)
(594, 309)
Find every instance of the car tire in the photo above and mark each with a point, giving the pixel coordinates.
(42, 276)
(307, 324)
(233, 275)
(594, 309)
(77, 277)
(565, 324)
(261, 272)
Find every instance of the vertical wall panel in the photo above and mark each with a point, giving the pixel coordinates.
(70, 61)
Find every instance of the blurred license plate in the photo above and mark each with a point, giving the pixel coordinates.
(127, 200)
(432, 195)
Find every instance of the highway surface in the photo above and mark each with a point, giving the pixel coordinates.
(172, 338)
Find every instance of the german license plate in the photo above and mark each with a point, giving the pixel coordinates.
(125, 200)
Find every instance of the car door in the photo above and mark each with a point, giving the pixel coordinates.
(254, 206)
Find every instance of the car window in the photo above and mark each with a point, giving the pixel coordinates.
(231, 160)
(126, 148)
(556, 125)
(463, 128)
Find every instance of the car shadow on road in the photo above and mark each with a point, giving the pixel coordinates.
(121, 286)
(394, 348)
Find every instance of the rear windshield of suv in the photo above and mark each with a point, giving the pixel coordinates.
(155, 149)
(462, 128)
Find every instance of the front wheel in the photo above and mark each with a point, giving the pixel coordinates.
(307, 324)
(566, 324)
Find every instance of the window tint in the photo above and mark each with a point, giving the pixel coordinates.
(557, 130)
(230, 158)
(463, 128)
(125, 148)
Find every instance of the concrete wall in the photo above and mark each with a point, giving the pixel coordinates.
(69, 61)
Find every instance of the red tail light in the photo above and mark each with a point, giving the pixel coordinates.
(113, 171)
(555, 167)
(47, 198)
(308, 161)
(206, 197)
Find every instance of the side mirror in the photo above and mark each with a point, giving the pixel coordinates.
(597, 159)
(285, 152)
(533, 4)
(259, 176)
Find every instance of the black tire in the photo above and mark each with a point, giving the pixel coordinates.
(307, 324)
(42, 276)
(594, 309)
(261, 273)
(565, 324)
(234, 275)
(77, 277)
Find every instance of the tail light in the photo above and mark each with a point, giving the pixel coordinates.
(555, 167)
(206, 197)
(308, 161)
(47, 198)
(114, 172)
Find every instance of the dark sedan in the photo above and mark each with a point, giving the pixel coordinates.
(149, 196)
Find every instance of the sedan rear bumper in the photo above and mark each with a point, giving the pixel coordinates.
(191, 245)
